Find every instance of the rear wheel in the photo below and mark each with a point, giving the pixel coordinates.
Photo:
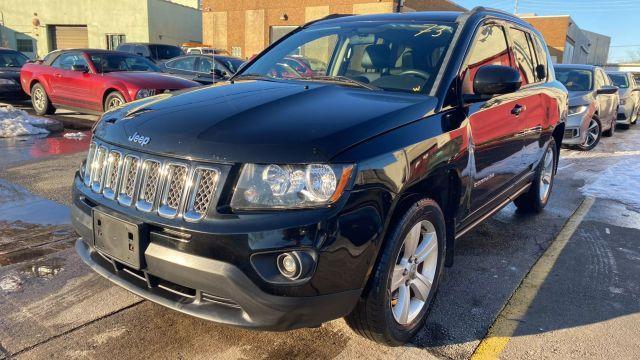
(40, 101)
(594, 132)
(113, 100)
(404, 282)
(537, 197)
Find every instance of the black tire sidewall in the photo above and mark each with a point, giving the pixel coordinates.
(425, 209)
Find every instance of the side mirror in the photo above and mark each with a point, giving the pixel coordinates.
(80, 68)
(541, 72)
(496, 80)
(218, 73)
(607, 90)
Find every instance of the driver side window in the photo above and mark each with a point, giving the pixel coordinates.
(65, 61)
(489, 48)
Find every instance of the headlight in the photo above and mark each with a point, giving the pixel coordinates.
(7, 82)
(623, 101)
(574, 110)
(290, 186)
(143, 93)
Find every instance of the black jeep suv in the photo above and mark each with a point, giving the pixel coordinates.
(280, 199)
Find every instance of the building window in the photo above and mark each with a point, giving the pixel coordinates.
(277, 32)
(236, 51)
(113, 40)
(24, 45)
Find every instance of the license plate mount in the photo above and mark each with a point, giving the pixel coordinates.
(121, 238)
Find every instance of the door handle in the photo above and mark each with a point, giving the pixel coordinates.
(518, 109)
(57, 75)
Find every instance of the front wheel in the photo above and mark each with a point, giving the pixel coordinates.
(404, 282)
(537, 197)
(113, 100)
(594, 132)
(40, 101)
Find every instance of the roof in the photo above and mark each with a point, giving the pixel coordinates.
(575, 66)
(144, 43)
(436, 16)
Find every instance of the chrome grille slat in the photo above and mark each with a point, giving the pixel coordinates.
(172, 189)
(205, 182)
(151, 172)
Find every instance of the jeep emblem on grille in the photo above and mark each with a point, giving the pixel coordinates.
(142, 140)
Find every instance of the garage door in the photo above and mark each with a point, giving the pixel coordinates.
(68, 37)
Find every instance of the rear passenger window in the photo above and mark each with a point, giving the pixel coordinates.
(489, 48)
(541, 55)
(523, 53)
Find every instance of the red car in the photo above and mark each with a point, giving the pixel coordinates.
(93, 81)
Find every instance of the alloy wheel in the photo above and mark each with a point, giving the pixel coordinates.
(38, 99)
(114, 102)
(546, 174)
(413, 275)
(593, 133)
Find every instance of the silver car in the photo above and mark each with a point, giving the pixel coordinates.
(629, 97)
(593, 104)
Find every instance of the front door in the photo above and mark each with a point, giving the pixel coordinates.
(72, 88)
(496, 141)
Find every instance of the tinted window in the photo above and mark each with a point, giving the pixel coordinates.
(524, 56)
(186, 63)
(110, 62)
(620, 80)
(205, 65)
(141, 50)
(393, 56)
(12, 59)
(164, 52)
(489, 48)
(65, 61)
(232, 64)
(125, 48)
(541, 53)
(575, 79)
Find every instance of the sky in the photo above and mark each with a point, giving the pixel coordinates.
(619, 19)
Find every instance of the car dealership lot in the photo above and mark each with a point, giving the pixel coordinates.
(53, 306)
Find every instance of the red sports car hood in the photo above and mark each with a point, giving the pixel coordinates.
(152, 80)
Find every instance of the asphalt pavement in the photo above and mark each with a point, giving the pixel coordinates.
(585, 304)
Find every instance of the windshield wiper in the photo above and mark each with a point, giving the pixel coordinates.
(339, 79)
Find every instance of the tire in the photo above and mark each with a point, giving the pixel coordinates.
(594, 133)
(624, 126)
(375, 317)
(113, 100)
(612, 129)
(40, 101)
(537, 197)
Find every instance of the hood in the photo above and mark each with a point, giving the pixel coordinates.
(261, 121)
(580, 97)
(10, 73)
(152, 80)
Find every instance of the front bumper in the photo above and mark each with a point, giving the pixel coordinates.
(216, 291)
(626, 113)
(12, 92)
(575, 132)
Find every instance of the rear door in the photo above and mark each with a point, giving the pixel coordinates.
(496, 142)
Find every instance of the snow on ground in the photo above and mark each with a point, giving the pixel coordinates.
(75, 135)
(620, 181)
(15, 122)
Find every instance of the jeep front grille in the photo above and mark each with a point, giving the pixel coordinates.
(152, 184)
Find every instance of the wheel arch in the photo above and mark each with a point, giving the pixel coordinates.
(107, 92)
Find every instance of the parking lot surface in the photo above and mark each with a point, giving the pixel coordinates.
(580, 299)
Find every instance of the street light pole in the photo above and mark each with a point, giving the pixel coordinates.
(515, 7)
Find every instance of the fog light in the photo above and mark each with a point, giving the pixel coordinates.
(289, 265)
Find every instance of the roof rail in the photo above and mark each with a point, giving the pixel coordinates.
(478, 9)
(328, 17)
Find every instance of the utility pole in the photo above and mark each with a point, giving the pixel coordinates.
(515, 7)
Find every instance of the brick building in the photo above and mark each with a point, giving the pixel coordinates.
(246, 27)
(568, 44)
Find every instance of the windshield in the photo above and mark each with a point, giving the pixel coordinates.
(401, 56)
(12, 59)
(575, 79)
(106, 62)
(164, 52)
(620, 80)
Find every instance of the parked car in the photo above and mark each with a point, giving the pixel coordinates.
(93, 81)
(629, 92)
(11, 62)
(301, 200)
(153, 52)
(205, 51)
(593, 104)
(200, 68)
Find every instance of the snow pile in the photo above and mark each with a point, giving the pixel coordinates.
(75, 135)
(16, 122)
(620, 182)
